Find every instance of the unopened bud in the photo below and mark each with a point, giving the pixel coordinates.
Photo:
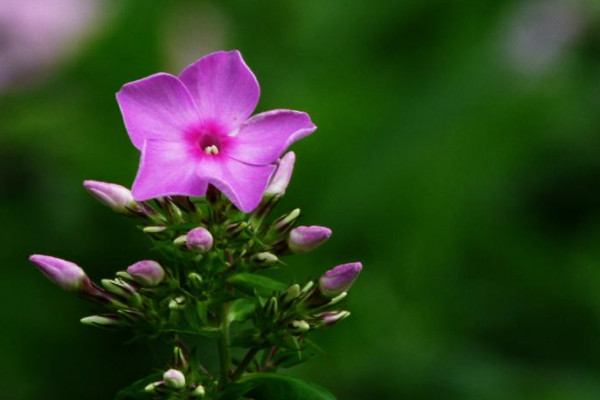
(174, 379)
(306, 238)
(284, 223)
(291, 293)
(195, 280)
(264, 259)
(309, 285)
(177, 303)
(332, 317)
(282, 175)
(198, 391)
(67, 275)
(338, 298)
(271, 307)
(179, 356)
(154, 229)
(236, 228)
(151, 388)
(199, 240)
(180, 240)
(147, 272)
(119, 288)
(339, 279)
(102, 321)
(300, 326)
(118, 198)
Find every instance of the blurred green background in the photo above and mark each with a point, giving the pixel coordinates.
(457, 156)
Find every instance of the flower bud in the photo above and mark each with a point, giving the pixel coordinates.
(198, 391)
(122, 290)
(177, 303)
(154, 229)
(284, 223)
(180, 358)
(199, 240)
(339, 279)
(236, 228)
(147, 272)
(69, 276)
(106, 321)
(300, 326)
(282, 175)
(332, 317)
(118, 198)
(151, 388)
(174, 379)
(180, 240)
(291, 293)
(306, 238)
(264, 259)
(195, 280)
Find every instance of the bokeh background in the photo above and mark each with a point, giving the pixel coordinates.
(457, 156)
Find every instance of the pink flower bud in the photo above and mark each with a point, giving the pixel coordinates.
(306, 238)
(339, 279)
(199, 240)
(147, 272)
(282, 175)
(174, 379)
(332, 317)
(65, 274)
(118, 198)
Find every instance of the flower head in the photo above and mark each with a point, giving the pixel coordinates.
(147, 272)
(118, 198)
(65, 274)
(306, 238)
(199, 239)
(339, 279)
(194, 130)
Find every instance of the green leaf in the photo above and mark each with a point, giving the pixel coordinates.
(136, 390)
(248, 283)
(268, 386)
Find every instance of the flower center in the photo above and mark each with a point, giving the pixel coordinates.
(210, 150)
(210, 144)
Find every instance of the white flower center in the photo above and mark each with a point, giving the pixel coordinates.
(211, 150)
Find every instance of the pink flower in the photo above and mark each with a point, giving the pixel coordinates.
(193, 130)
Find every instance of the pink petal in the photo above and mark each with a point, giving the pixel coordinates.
(263, 138)
(243, 184)
(156, 107)
(223, 86)
(167, 168)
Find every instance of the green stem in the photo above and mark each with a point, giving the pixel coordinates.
(244, 364)
(223, 346)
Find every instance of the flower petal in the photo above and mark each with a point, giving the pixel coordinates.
(156, 107)
(223, 86)
(242, 183)
(167, 168)
(263, 138)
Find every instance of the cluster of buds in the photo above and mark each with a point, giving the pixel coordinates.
(210, 276)
(126, 298)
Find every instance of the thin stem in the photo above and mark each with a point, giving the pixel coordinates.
(271, 354)
(223, 346)
(244, 364)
